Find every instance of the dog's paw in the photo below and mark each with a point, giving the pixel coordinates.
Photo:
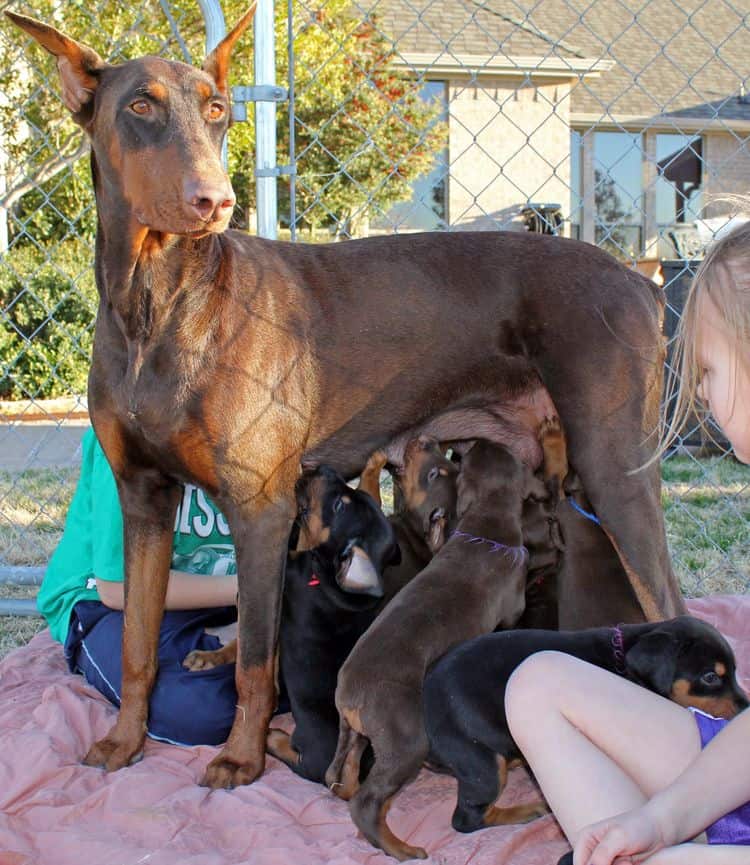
(111, 754)
(224, 772)
(198, 660)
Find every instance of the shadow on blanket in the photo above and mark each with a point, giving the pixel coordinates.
(52, 809)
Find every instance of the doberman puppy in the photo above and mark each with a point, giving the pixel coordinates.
(226, 360)
(464, 696)
(342, 536)
(322, 617)
(541, 533)
(473, 584)
(424, 494)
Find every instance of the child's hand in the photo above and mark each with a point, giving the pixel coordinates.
(628, 838)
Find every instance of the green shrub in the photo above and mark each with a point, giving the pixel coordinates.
(48, 304)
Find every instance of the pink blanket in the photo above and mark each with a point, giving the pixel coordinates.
(56, 811)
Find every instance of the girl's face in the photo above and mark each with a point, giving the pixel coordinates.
(725, 379)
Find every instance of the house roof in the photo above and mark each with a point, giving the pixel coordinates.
(683, 62)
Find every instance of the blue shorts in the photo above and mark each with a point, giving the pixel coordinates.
(732, 828)
(186, 708)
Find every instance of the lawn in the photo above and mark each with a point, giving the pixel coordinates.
(706, 507)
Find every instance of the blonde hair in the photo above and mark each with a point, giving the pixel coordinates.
(724, 277)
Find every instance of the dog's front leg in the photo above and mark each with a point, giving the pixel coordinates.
(260, 539)
(149, 502)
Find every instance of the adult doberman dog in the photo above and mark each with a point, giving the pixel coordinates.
(228, 360)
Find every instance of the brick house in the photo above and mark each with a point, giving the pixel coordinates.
(632, 119)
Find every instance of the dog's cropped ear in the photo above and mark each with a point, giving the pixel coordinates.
(217, 62)
(78, 65)
(652, 661)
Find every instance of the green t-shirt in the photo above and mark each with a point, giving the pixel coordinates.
(92, 543)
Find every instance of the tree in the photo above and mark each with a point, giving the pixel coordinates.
(611, 214)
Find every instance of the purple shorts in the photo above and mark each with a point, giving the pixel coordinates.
(732, 828)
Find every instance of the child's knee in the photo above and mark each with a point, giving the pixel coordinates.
(533, 688)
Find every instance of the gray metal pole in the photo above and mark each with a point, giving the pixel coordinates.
(265, 123)
(11, 607)
(216, 28)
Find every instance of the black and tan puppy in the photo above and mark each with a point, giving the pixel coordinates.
(684, 659)
(474, 583)
(324, 612)
(424, 498)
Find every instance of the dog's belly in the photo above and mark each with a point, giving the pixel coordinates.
(512, 421)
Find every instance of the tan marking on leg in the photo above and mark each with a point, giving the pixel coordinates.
(279, 744)
(350, 773)
(495, 816)
(392, 845)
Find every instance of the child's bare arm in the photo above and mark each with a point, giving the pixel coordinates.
(715, 783)
(184, 592)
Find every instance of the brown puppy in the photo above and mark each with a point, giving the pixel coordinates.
(424, 495)
(226, 360)
(475, 583)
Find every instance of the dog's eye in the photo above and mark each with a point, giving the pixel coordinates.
(140, 107)
(432, 475)
(711, 679)
(216, 111)
(338, 505)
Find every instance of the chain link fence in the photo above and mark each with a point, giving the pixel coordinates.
(617, 123)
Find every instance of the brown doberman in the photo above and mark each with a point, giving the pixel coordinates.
(227, 360)
(476, 582)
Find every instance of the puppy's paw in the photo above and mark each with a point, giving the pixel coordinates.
(198, 660)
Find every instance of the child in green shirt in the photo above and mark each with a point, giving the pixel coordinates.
(82, 599)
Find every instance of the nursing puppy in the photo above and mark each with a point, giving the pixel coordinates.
(424, 504)
(475, 583)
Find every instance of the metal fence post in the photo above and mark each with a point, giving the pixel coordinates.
(265, 122)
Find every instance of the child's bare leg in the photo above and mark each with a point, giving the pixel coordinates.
(597, 744)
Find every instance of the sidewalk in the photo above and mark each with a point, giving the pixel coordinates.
(41, 444)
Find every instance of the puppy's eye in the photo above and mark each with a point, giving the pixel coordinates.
(711, 679)
(338, 505)
(216, 111)
(433, 474)
(141, 107)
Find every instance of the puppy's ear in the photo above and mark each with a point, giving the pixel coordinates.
(652, 661)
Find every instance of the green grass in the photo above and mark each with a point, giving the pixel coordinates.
(707, 514)
(706, 508)
(33, 505)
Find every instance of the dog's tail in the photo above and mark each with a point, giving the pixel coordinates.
(342, 777)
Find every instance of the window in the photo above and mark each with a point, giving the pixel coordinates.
(618, 193)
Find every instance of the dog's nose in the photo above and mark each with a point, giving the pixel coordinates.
(209, 201)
